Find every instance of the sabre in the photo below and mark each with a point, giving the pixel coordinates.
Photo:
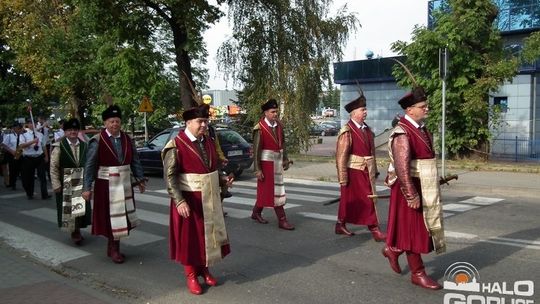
(443, 180)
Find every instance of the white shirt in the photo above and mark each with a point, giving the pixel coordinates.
(359, 126)
(58, 134)
(269, 124)
(414, 123)
(190, 136)
(29, 136)
(10, 140)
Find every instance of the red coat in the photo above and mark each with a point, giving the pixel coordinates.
(354, 205)
(406, 229)
(101, 220)
(186, 235)
(265, 188)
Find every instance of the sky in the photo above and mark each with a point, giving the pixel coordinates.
(382, 22)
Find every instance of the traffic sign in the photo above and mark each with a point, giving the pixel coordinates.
(146, 105)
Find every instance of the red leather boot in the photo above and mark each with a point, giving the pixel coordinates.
(113, 251)
(342, 229)
(393, 257)
(257, 215)
(76, 237)
(208, 278)
(418, 272)
(282, 218)
(377, 234)
(191, 280)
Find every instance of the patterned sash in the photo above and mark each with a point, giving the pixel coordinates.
(279, 187)
(73, 205)
(426, 170)
(215, 234)
(121, 206)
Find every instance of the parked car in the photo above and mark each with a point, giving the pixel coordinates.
(323, 130)
(236, 149)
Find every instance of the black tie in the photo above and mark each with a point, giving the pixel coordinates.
(18, 137)
(203, 152)
(118, 148)
(424, 134)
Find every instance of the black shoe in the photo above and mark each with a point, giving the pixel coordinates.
(46, 197)
(30, 197)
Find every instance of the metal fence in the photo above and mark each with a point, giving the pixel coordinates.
(517, 149)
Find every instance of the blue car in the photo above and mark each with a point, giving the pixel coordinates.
(236, 149)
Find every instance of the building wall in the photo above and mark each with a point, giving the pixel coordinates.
(381, 103)
(222, 97)
(522, 117)
(536, 106)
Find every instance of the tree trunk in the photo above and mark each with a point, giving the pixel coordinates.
(183, 63)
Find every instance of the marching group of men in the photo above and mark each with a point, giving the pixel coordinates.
(106, 168)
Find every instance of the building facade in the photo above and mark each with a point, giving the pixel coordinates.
(519, 99)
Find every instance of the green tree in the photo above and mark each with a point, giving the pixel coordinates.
(331, 96)
(283, 49)
(531, 48)
(81, 51)
(477, 67)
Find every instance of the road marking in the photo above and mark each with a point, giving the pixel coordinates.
(136, 237)
(45, 249)
(319, 216)
(237, 213)
(13, 195)
(482, 201)
(153, 217)
(460, 235)
(499, 242)
(458, 207)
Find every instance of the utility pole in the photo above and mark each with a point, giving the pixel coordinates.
(443, 70)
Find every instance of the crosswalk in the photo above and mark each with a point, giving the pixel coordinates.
(305, 198)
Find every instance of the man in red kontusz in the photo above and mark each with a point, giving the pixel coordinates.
(415, 212)
(269, 162)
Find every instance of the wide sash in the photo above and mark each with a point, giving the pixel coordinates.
(215, 234)
(279, 187)
(121, 206)
(73, 205)
(426, 171)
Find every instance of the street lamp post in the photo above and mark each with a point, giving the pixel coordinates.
(443, 63)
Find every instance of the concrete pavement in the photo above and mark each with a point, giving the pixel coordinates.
(509, 184)
(23, 280)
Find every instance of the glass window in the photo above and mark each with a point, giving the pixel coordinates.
(160, 140)
(230, 137)
(501, 102)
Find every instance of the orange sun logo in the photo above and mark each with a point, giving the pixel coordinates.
(461, 278)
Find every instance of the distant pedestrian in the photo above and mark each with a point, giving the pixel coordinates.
(269, 162)
(13, 154)
(35, 158)
(68, 157)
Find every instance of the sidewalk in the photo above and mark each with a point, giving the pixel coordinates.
(478, 182)
(25, 281)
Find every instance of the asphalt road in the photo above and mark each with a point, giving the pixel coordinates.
(496, 234)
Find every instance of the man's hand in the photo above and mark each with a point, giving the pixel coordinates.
(414, 204)
(58, 190)
(87, 195)
(142, 186)
(259, 175)
(229, 180)
(183, 210)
